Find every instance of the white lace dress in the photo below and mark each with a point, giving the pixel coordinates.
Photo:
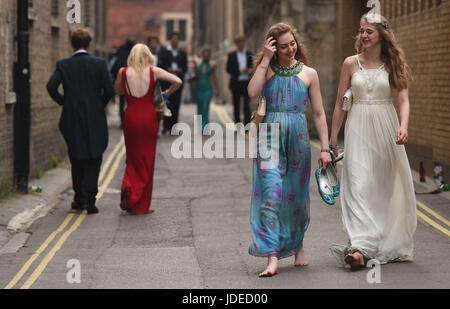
(377, 191)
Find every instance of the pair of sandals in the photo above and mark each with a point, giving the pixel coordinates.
(327, 180)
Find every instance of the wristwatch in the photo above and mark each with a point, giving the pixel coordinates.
(325, 150)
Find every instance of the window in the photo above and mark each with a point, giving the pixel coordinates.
(176, 25)
(55, 8)
(170, 28)
(182, 29)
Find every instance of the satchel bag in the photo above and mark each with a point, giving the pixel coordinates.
(258, 115)
(347, 100)
(160, 102)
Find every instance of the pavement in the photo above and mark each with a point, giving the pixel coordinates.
(197, 237)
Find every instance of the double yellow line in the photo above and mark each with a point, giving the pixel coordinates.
(106, 171)
(224, 118)
(432, 222)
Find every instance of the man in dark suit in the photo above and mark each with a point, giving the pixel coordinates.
(157, 50)
(87, 89)
(239, 66)
(120, 61)
(173, 60)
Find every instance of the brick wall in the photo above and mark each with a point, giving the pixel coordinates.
(422, 29)
(128, 18)
(48, 43)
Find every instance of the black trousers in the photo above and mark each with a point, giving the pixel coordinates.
(174, 106)
(123, 102)
(240, 90)
(85, 179)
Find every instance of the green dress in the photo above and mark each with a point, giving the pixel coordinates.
(204, 91)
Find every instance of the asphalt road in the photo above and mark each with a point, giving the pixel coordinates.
(198, 236)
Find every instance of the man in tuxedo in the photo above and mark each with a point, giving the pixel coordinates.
(174, 60)
(120, 61)
(157, 50)
(239, 66)
(87, 89)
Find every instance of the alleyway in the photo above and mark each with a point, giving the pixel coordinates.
(198, 236)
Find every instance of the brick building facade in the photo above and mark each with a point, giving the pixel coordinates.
(422, 28)
(49, 33)
(140, 19)
(328, 29)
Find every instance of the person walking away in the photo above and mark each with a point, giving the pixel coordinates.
(121, 61)
(137, 83)
(87, 89)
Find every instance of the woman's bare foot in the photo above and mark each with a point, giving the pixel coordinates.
(355, 260)
(300, 258)
(272, 267)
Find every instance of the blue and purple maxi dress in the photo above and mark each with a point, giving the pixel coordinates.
(280, 199)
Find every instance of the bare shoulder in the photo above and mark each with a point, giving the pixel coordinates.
(156, 69)
(309, 71)
(309, 76)
(197, 61)
(350, 63)
(213, 64)
(119, 73)
(157, 72)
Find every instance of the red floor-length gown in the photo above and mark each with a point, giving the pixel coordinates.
(141, 133)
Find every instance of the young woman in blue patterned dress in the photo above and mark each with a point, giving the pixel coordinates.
(280, 200)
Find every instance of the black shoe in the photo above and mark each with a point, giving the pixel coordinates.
(92, 210)
(76, 206)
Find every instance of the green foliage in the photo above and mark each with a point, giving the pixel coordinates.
(6, 189)
(53, 162)
(39, 172)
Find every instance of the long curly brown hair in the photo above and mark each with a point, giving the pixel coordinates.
(278, 30)
(392, 55)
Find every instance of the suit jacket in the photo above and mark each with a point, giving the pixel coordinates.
(121, 59)
(165, 62)
(233, 67)
(87, 89)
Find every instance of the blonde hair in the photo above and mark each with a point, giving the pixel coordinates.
(140, 58)
(278, 30)
(392, 55)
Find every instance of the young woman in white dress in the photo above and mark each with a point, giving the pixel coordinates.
(377, 192)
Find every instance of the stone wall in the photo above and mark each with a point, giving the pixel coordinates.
(49, 41)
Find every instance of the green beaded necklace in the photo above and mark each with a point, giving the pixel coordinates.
(292, 70)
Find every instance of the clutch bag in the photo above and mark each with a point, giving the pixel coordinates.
(347, 100)
(258, 115)
(160, 103)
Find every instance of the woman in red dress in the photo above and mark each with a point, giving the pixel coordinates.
(140, 128)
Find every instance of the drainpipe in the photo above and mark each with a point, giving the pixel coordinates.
(22, 109)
